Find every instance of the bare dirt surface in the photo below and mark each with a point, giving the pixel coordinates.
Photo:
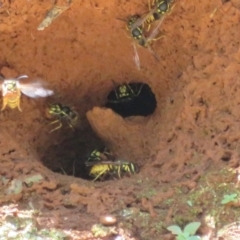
(187, 150)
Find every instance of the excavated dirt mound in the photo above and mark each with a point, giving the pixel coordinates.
(184, 149)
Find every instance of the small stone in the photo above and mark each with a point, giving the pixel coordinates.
(108, 220)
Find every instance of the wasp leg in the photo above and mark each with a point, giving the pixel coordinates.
(135, 95)
(54, 122)
(172, 8)
(56, 128)
(101, 173)
(129, 88)
(70, 125)
(116, 94)
(19, 108)
(4, 105)
(127, 35)
(140, 89)
(155, 39)
(115, 89)
(149, 7)
(148, 27)
(130, 170)
(119, 171)
(59, 126)
(153, 53)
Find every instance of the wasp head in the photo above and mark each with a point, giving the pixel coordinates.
(123, 89)
(10, 86)
(55, 109)
(163, 7)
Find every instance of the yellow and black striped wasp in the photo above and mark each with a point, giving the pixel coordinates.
(12, 88)
(61, 113)
(102, 154)
(157, 10)
(103, 165)
(125, 92)
(137, 34)
(111, 169)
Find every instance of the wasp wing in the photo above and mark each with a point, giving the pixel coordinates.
(155, 32)
(22, 76)
(153, 52)
(115, 163)
(142, 19)
(136, 58)
(35, 90)
(151, 37)
(98, 162)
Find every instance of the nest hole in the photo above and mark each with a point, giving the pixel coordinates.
(68, 156)
(132, 99)
(226, 157)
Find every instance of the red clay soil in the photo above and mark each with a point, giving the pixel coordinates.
(195, 125)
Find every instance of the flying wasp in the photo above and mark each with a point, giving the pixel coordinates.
(126, 92)
(61, 113)
(12, 88)
(111, 169)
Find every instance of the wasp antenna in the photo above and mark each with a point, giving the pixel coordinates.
(114, 84)
(121, 19)
(156, 30)
(22, 76)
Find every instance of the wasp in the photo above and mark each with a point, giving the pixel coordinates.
(126, 92)
(157, 11)
(136, 32)
(135, 27)
(12, 89)
(160, 8)
(115, 169)
(62, 113)
(99, 155)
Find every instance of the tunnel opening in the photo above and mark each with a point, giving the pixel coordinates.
(84, 155)
(68, 157)
(132, 99)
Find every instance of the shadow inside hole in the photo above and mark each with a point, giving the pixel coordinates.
(133, 99)
(69, 156)
(226, 157)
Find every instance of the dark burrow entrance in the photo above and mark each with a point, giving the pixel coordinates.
(132, 99)
(84, 155)
(69, 156)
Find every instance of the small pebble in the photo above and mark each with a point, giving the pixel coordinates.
(108, 220)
